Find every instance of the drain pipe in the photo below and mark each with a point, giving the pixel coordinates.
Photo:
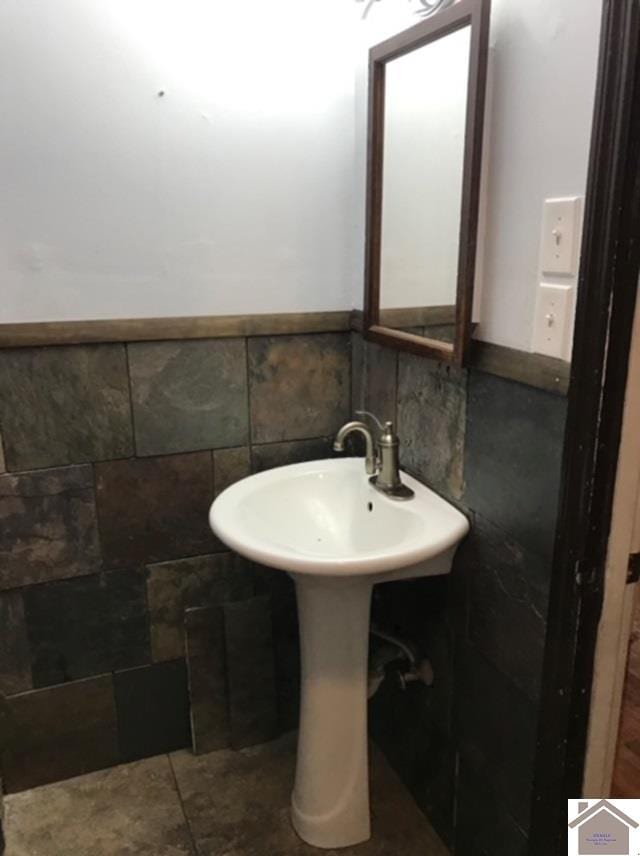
(419, 671)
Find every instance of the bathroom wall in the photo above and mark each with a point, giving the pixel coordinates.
(164, 158)
(241, 187)
(493, 446)
(112, 456)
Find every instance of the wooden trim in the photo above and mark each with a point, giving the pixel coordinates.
(531, 369)
(476, 14)
(154, 329)
(521, 366)
(612, 648)
(418, 316)
(607, 291)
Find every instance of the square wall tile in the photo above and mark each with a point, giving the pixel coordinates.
(15, 658)
(229, 466)
(508, 598)
(484, 826)
(496, 730)
(154, 508)
(48, 527)
(272, 455)
(153, 710)
(64, 405)
(300, 386)
(206, 665)
(87, 626)
(513, 458)
(175, 586)
(431, 422)
(381, 377)
(189, 395)
(61, 732)
(253, 709)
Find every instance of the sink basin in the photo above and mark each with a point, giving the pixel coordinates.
(324, 524)
(324, 518)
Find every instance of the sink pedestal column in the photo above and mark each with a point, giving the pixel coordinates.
(330, 803)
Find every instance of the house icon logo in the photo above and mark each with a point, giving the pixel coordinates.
(603, 828)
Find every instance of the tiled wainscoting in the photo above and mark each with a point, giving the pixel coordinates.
(465, 747)
(110, 577)
(112, 456)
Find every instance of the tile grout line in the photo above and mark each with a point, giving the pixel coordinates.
(194, 847)
(250, 441)
(134, 438)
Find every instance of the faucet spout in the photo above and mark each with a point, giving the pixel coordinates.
(361, 428)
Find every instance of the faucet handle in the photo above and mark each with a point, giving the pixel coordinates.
(374, 418)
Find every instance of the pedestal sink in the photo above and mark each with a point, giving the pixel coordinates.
(324, 524)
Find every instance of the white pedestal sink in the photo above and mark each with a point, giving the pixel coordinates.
(337, 536)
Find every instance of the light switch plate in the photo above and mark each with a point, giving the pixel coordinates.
(560, 231)
(553, 320)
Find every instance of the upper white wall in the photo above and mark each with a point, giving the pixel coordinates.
(544, 62)
(242, 189)
(230, 194)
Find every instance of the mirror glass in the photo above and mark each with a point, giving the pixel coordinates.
(425, 108)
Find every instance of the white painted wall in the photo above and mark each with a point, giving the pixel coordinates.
(242, 189)
(232, 193)
(544, 56)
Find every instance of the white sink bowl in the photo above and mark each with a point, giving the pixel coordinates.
(324, 518)
(337, 536)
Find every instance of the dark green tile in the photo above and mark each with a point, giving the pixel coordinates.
(175, 586)
(299, 386)
(15, 657)
(484, 825)
(508, 593)
(48, 527)
(431, 422)
(153, 509)
(153, 709)
(513, 458)
(61, 732)
(109, 626)
(496, 730)
(64, 405)
(189, 395)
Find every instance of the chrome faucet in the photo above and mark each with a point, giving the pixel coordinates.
(381, 455)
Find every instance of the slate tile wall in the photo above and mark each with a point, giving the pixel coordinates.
(112, 456)
(465, 747)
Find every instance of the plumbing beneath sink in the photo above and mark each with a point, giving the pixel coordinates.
(420, 670)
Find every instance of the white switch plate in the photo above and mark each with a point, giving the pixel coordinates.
(560, 229)
(552, 326)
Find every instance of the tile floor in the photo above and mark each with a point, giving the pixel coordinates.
(222, 804)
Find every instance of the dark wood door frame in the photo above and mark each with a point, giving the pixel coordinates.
(607, 293)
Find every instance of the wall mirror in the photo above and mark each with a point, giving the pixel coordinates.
(426, 110)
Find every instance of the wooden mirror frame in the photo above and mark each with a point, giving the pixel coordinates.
(475, 14)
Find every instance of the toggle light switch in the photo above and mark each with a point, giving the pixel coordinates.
(560, 225)
(552, 327)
